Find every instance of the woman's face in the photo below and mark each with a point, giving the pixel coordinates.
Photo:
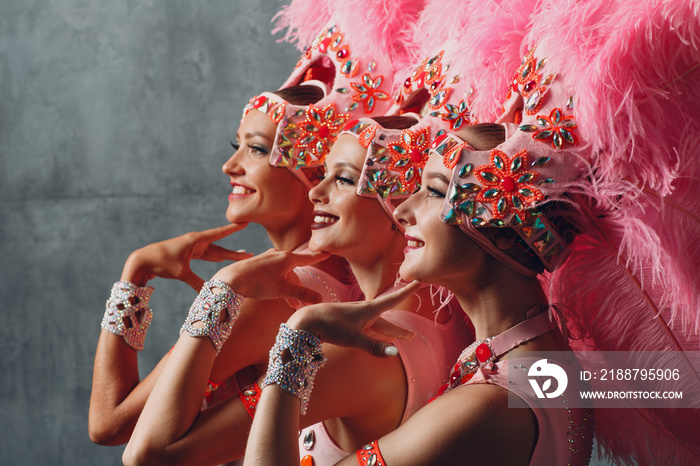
(436, 253)
(260, 192)
(345, 223)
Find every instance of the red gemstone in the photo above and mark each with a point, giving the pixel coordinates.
(350, 124)
(508, 184)
(407, 83)
(323, 132)
(439, 140)
(259, 102)
(416, 155)
(323, 46)
(529, 86)
(455, 376)
(342, 53)
(483, 353)
(435, 85)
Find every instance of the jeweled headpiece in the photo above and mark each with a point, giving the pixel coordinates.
(305, 134)
(394, 163)
(351, 59)
(539, 161)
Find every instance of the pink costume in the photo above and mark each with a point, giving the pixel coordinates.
(564, 436)
(426, 360)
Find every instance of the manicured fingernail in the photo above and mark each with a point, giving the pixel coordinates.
(391, 350)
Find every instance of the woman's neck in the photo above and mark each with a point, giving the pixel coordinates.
(500, 302)
(288, 237)
(376, 273)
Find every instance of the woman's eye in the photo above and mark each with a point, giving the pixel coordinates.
(432, 192)
(344, 180)
(235, 145)
(257, 150)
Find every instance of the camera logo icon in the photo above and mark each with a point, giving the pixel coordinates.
(545, 371)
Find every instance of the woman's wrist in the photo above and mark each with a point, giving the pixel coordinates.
(133, 270)
(303, 320)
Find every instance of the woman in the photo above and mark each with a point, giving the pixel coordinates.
(500, 231)
(468, 419)
(359, 396)
(287, 130)
(118, 395)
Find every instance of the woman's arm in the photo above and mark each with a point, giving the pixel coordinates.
(171, 428)
(273, 436)
(471, 425)
(118, 394)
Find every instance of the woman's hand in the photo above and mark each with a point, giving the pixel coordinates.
(171, 258)
(357, 325)
(271, 275)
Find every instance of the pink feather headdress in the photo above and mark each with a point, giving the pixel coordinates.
(631, 282)
(352, 47)
(449, 56)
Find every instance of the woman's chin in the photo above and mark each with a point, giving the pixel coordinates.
(408, 273)
(319, 246)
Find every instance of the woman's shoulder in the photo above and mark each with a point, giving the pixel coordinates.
(470, 421)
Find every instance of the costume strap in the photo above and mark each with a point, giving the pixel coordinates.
(369, 455)
(250, 396)
(483, 352)
(526, 330)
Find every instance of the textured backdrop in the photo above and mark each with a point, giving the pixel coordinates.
(115, 118)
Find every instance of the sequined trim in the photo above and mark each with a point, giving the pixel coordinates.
(250, 396)
(127, 313)
(369, 455)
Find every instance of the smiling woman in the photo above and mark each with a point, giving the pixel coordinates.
(283, 140)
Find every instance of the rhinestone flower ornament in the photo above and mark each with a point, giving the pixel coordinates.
(368, 91)
(317, 132)
(538, 162)
(394, 161)
(409, 153)
(507, 184)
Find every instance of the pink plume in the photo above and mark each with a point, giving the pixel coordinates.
(303, 21)
(482, 41)
(376, 28)
(632, 280)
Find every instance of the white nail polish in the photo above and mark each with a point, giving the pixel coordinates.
(391, 351)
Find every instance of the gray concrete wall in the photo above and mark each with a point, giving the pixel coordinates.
(115, 118)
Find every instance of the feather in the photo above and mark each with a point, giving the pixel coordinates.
(612, 305)
(631, 282)
(375, 29)
(482, 44)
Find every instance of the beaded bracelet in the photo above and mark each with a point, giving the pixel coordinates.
(127, 313)
(208, 308)
(295, 359)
